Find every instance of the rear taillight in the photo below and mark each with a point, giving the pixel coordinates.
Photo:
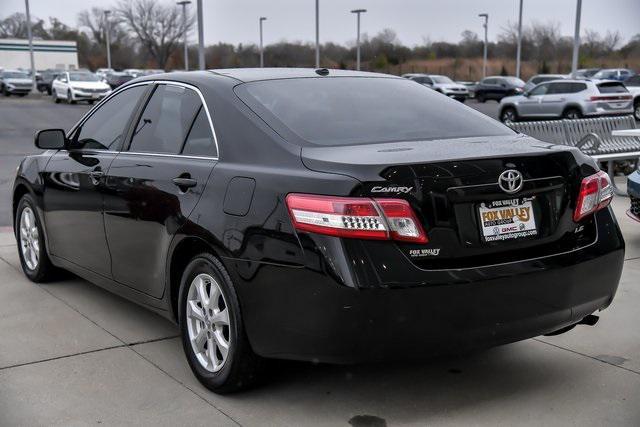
(595, 193)
(356, 217)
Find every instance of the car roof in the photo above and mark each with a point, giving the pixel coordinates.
(257, 74)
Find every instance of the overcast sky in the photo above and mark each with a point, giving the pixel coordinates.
(236, 21)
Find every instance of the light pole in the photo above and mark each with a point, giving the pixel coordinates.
(200, 37)
(576, 40)
(262, 18)
(33, 67)
(484, 55)
(519, 49)
(317, 33)
(107, 31)
(184, 4)
(358, 12)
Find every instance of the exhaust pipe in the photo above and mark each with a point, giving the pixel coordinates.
(589, 320)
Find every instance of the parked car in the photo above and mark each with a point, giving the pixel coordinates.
(633, 190)
(76, 86)
(103, 72)
(135, 72)
(569, 99)
(633, 86)
(44, 79)
(471, 87)
(497, 87)
(585, 73)
(442, 84)
(619, 74)
(117, 79)
(152, 72)
(411, 225)
(15, 82)
(540, 78)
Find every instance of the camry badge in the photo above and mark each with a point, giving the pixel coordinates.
(510, 181)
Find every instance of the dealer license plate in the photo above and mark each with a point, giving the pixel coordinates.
(507, 219)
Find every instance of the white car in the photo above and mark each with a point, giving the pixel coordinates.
(102, 72)
(633, 85)
(442, 84)
(76, 86)
(135, 72)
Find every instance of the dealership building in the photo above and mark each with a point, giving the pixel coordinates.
(61, 54)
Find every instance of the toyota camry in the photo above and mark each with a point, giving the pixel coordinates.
(318, 215)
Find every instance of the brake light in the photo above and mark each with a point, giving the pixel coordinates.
(355, 217)
(595, 193)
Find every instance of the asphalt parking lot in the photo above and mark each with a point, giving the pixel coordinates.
(74, 354)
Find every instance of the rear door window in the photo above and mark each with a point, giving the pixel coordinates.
(166, 120)
(612, 87)
(200, 140)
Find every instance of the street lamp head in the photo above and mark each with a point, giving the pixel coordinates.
(263, 18)
(359, 11)
(483, 15)
(183, 2)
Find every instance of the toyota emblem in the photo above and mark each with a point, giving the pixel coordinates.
(510, 181)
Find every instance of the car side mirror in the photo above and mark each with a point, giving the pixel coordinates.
(51, 139)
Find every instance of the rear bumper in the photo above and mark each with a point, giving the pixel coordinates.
(309, 314)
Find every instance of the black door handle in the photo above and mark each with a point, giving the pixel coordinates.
(184, 182)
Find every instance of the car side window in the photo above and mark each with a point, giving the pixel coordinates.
(105, 128)
(200, 140)
(633, 81)
(577, 87)
(539, 90)
(557, 88)
(166, 120)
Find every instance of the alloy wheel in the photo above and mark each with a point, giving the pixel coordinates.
(508, 115)
(636, 111)
(29, 239)
(208, 322)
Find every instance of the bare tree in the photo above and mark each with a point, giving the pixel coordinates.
(15, 26)
(158, 27)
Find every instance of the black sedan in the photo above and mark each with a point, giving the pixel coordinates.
(318, 215)
(498, 87)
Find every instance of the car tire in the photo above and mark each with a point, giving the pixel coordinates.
(240, 367)
(49, 91)
(70, 97)
(481, 98)
(90, 102)
(6, 92)
(636, 109)
(54, 96)
(508, 114)
(30, 236)
(572, 114)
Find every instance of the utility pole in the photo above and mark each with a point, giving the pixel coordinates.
(358, 12)
(107, 32)
(317, 33)
(184, 4)
(519, 50)
(33, 67)
(200, 37)
(262, 18)
(484, 55)
(576, 40)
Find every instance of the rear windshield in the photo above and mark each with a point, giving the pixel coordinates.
(442, 79)
(360, 110)
(612, 87)
(514, 81)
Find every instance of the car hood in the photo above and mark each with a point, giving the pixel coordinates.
(89, 85)
(449, 86)
(366, 161)
(512, 99)
(18, 81)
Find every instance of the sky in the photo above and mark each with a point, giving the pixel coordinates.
(236, 21)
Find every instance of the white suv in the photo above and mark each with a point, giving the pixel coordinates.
(78, 86)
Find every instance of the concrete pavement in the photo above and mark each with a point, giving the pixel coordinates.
(74, 354)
